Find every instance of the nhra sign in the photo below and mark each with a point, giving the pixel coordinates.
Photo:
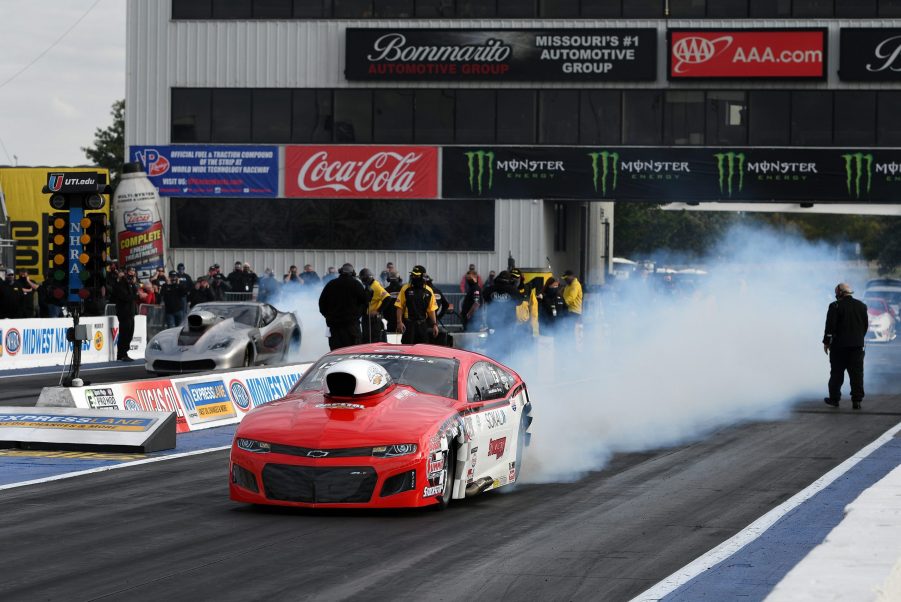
(870, 55)
(501, 55)
(205, 170)
(747, 53)
(200, 402)
(365, 172)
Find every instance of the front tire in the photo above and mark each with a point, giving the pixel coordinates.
(450, 463)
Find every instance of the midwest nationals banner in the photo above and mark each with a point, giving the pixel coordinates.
(365, 172)
(747, 53)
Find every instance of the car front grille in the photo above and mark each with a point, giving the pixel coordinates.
(189, 366)
(319, 485)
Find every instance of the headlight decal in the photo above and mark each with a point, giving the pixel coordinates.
(253, 446)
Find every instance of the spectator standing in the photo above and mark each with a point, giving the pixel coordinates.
(309, 275)
(27, 288)
(552, 307)
(416, 309)
(464, 287)
(847, 323)
(201, 293)
(268, 287)
(236, 279)
(343, 302)
(373, 328)
(472, 301)
(125, 295)
(185, 279)
(10, 303)
(385, 276)
(292, 280)
(330, 275)
(174, 296)
(218, 283)
(490, 281)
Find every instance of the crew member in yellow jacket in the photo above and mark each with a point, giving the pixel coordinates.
(572, 294)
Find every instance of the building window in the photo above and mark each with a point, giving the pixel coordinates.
(855, 118)
(271, 118)
(434, 116)
(515, 117)
(855, 8)
(312, 9)
(811, 118)
(191, 114)
(728, 9)
(558, 9)
(651, 9)
(353, 116)
(558, 117)
(333, 224)
(889, 118)
(272, 9)
(232, 9)
(475, 9)
(683, 117)
(434, 8)
(602, 8)
(769, 123)
(812, 8)
(231, 112)
(599, 117)
(192, 9)
(387, 9)
(312, 116)
(687, 8)
(353, 9)
(642, 111)
(560, 227)
(890, 8)
(392, 120)
(771, 8)
(475, 117)
(727, 118)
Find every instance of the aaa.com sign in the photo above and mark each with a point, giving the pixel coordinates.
(747, 53)
(369, 172)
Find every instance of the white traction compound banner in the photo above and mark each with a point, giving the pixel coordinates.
(200, 402)
(31, 343)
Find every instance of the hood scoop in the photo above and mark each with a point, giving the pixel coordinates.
(197, 324)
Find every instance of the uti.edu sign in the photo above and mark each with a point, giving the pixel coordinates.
(747, 53)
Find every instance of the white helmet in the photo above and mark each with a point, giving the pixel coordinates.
(350, 378)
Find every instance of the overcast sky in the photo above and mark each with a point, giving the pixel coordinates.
(50, 111)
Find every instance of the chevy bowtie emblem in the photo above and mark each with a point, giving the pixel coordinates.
(317, 453)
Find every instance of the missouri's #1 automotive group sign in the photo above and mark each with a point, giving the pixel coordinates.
(870, 55)
(501, 55)
(747, 53)
(673, 174)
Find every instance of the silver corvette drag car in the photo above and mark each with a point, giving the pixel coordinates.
(224, 335)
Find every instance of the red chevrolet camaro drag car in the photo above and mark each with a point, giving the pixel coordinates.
(385, 426)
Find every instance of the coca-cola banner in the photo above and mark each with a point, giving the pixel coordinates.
(658, 174)
(501, 55)
(747, 53)
(868, 55)
(367, 172)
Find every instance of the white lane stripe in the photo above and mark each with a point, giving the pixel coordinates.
(54, 370)
(69, 475)
(758, 527)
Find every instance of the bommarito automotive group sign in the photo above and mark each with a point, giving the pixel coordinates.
(673, 174)
(624, 54)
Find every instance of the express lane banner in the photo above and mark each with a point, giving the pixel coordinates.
(747, 53)
(660, 174)
(206, 170)
(623, 54)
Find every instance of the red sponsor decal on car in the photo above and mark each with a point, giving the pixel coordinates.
(496, 447)
(388, 172)
(747, 53)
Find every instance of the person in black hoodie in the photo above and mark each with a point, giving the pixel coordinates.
(173, 295)
(342, 303)
(124, 294)
(551, 305)
(843, 340)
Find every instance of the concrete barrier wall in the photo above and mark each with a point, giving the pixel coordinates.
(200, 402)
(42, 341)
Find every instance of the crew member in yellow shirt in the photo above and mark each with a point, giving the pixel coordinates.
(416, 309)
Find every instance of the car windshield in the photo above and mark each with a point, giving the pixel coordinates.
(893, 297)
(429, 375)
(243, 314)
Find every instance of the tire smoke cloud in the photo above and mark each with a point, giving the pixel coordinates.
(657, 369)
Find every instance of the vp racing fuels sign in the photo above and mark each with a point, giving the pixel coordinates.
(870, 54)
(501, 55)
(747, 53)
(661, 174)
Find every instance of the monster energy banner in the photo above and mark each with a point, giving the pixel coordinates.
(673, 174)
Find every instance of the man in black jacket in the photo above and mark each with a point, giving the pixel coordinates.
(174, 294)
(343, 302)
(124, 294)
(843, 341)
